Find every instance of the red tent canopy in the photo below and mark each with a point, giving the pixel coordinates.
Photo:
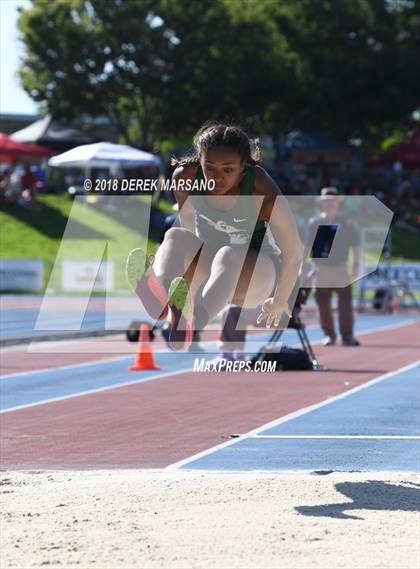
(408, 153)
(10, 150)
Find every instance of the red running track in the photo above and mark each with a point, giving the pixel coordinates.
(160, 422)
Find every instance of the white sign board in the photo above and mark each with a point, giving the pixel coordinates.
(21, 274)
(407, 273)
(85, 275)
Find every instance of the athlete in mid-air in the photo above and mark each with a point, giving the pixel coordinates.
(237, 243)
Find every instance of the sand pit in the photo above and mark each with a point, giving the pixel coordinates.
(178, 519)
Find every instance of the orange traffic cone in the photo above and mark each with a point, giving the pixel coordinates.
(144, 355)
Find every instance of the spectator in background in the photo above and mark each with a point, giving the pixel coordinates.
(28, 180)
(5, 190)
(28, 183)
(321, 231)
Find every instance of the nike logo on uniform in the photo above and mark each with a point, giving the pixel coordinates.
(238, 220)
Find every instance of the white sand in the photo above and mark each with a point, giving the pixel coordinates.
(112, 519)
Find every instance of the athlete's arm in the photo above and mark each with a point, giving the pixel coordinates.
(276, 212)
(186, 211)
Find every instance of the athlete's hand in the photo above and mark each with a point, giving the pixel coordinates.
(272, 310)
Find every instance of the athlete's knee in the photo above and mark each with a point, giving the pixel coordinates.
(176, 233)
(228, 256)
(181, 236)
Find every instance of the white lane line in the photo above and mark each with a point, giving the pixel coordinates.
(339, 437)
(289, 417)
(93, 391)
(60, 368)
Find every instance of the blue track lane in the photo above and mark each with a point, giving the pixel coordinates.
(21, 323)
(389, 408)
(55, 383)
(38, 386)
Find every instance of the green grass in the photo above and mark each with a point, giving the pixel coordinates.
(38, 234)
(34, 234)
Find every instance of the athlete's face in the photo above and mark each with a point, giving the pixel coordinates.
(224, 166)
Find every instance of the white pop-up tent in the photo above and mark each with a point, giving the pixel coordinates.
(104, 154)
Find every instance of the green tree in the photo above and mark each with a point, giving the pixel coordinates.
(95, 58)
(159, 68)
(162, 66)
(358, 64)
(228, 60)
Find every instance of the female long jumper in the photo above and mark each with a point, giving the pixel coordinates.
(237, 242)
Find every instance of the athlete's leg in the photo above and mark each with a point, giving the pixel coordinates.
(182, 264)
(232, 279)
(256, 281)
(179, 253)
(182, 253)
(235, 321)
(182, 293)
(143, 281)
